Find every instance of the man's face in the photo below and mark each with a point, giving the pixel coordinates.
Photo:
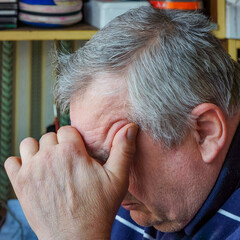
(167, 187)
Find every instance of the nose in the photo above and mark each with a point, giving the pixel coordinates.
(133, 177)
(129, 197)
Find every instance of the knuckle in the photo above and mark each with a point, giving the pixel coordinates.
(68, 131)
(8, 160)
(47, 135)
(66, 128)
(8, 164)
(27, 141)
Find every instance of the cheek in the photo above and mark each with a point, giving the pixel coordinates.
(144, 167)
(142, 179)
(153, 177)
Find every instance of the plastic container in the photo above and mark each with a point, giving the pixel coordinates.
(183, 5)
(99, 12)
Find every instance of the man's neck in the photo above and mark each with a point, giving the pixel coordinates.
(232, 124)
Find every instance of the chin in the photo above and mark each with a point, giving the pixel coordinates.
(144, 220)
(169, 227)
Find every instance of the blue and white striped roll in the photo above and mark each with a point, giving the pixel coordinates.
(49, 13)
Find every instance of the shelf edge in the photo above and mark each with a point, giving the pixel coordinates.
(24, 35)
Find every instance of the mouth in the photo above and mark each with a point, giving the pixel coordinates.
(130, 205)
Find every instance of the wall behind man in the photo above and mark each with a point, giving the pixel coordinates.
(33, 79)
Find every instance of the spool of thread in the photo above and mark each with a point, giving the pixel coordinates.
(182, 5)
(50, 13)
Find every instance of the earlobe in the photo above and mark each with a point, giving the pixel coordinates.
(210, 130)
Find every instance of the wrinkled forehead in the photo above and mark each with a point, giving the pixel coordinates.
(94, 109)
(98, 113)
(107, 94)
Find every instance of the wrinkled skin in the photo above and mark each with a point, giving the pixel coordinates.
(66, 194)
(66, 189)
(167, 186)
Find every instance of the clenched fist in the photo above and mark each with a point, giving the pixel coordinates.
(66, 194)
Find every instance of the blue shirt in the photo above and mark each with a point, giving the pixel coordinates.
(16, 226)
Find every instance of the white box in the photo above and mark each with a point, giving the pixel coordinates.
(99, 12)
(233, 19)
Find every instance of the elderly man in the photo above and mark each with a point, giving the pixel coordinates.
(154, 107)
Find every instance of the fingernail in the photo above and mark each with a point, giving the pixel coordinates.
(132, 132)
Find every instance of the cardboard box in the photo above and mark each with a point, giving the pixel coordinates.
(99, 12)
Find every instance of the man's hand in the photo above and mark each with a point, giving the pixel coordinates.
(64, 193)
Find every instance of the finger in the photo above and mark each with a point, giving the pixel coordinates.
(122, 151)
(48, 140)
(69, 134)
(12, 166)
(28, 148)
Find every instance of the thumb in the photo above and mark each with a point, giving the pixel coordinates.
(122, 151)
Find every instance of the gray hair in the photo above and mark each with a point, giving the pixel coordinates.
(169, 60)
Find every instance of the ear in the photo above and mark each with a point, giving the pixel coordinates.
(211, 130)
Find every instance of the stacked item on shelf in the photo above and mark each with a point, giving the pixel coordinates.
(50, 13)
(8, 14)
(182, 5)
(99, 12)
(232, 19)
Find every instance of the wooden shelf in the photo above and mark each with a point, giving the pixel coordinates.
(218, 13)
(233, 47)
(80, 31)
